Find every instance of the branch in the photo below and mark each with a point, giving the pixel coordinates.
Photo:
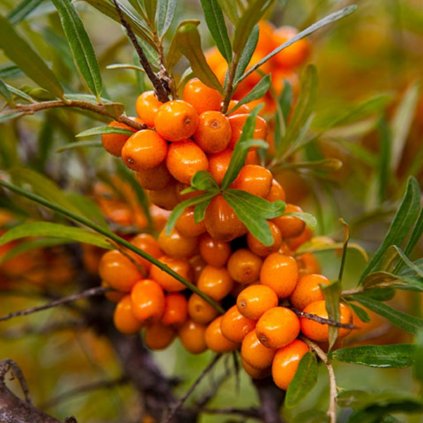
(249, 413)
(271, 399)
(322, 320)
(54, 327)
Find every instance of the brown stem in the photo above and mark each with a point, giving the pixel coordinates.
(322, 320)
(271, 399)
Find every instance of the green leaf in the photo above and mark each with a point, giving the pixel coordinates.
(151, 10)
(418, 357)
(258, 91)
(217, 27)
(79, 144)
(5, 116)
(80, 45)
(360, 312)
(384, 159)
(304, 380)
(203, 181)
(190, 46)
(403, 222)
(100, 130)
(230, 9)
(413, 282)
(200, 210)
(21, 53)
(54, 230)
(396, 356)
(22, 10)
(416, 234)
(247, 52)
(404, 321)
(5, 92)
(332, 294)
(307, 218)
(126, 66)
(19, 93)
(165, 14)
(88, 208)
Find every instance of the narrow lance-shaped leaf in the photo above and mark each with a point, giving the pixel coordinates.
(25, 57)
(164, 15)
(203, 181)
(217, 27)
(332, 294)
(80, 45)
(22, 10)
(4, 92)
(247, 52)
(100, 130)
(79, 144)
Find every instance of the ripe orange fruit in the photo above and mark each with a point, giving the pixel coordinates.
(166, 198)
(113, 296)
(218, 165)
(215, 253)
(144, 150)
(202, 97)
(253, 372)
(308, 290)
(296, 242)
(308, 263)
(320, 332)
(235, 326)
(276, 192)
(244, 266)
(213, 132)
(243, 109)
(197, 265)
(158, 336)
(168, 282)
(285, 363)
(255, 300)
(255, 179)
(154, 178)
(148, 244)
(259, 248)
(237, 123)
(215, 340)
(255, 353)
(124, 318)
(148, 300)
(290, 226)
(187, 226)
(277, 327)
(185, 159)
(200, 311)
(280, 272)
(113, 143)
(176, 309)
(192, 336)
(147, 106)
(176, 120)
(215, 282)
(177, 246)
(266, 41)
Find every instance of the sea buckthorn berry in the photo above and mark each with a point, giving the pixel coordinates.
(192, 336)
(235, 326)
(124, 318)
(147, 106)
(215, 253)
(218, 165)
(276, 192)
(308, 290)
(197, 264)
(113, 296)
(308, 263)
(259, 248)
(200, 311)
(221, 221)
(243, 109)
(255, 179)
(148, 300)
(201, 97)
(255, 300)
(255, 353)
(290, 226)
(244, 266)
(155, 178)
(215, 340)
(280, 272)
(177, 246)
(277, 327)
(216, 282)
(176, 309)
(237, 123)
(144, 150)
(176, 120)
(158, 336)
(185, 159)
(252, 157)
(149, 245)
(265, 43)
(253, 372)
(320, 332)
(302, 238)
(294, 55)
(113, 143)
(166, 198)
(213, 132)
(118, 271)
(187, 226)
(286, 361)
(168, 282)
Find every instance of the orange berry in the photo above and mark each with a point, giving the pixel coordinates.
(255, 353)
(168, 282)
(243, 109)
(280, 272)
(147, 106)
(244, 266)
(176, 309)
(265, 42)
(221, 221)
(308, 290)
(158, 336)
(148, 244)
(144, 150)
(176, 120)
(177, 246)
(218, 164)
(215, 340)
(202, 97)
(286, 361)
(290, 226)
(187, 226)
(113, 296)
(277, 327)
(113, 143)
(192, 336)
(235, 326)
(253, 372)
(185, 159)
(237, 123)
(148, 300)
(259, 248)
(213, 132)
(320, 331)
(308, 263)
(276, 192)
(166, 198)
(215, 282)
(200, 311)
(215, 253)
(255, 179)
(294, 55)
(118, 271)
(297, 241)
(255, 300)
(155, 178)
(197, 265)
(124, 317)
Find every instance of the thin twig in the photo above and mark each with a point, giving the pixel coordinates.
(251, 413)
(54, 327)
(322, 320)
